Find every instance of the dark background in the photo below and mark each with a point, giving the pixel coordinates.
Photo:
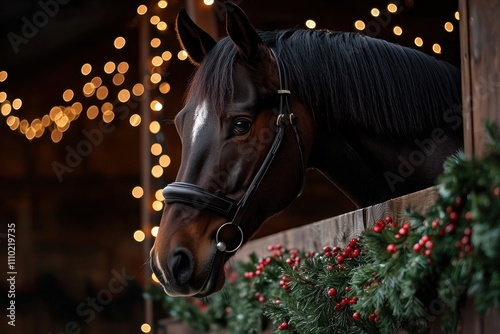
(72, 233)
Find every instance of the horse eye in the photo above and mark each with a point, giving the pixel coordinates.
(241, 127)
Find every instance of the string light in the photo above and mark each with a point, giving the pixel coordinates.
(162, 4)
(155, 78)
(154, 127)
(392, 8)
(154, 231)
(167, 55)
(164, 87)
(182, 55)
(448, 26)
(157, 171)
(139, 236)
(142, 9)
(156, 106)
(155, 42)
(457, 15)
(311, 24)
(162, 26)
(17, 104)
(146, 328)
(418, 41)
(135, 120)
(164, 161)
(109, 67)
(68, 95)
(159, 195)
(3, 76)
(436, 48)
(137, 192)
(157, 205)
(397, 31)
(375, 12)
(156, 149)
(208, 2)
(154, 20)
(360, 25)
(119, 42)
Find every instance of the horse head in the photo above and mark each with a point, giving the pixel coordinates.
(244, 155)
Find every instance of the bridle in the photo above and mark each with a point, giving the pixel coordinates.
(200, 198)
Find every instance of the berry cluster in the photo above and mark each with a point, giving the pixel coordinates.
(381, 224)
(424, 245)
(350, 252)
(283, 326)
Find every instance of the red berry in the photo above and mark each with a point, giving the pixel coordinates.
(278, 246)
(347, 289)
(355, 253)
(372, 317)
(388, 219)
(356, 316)
(340, 259)
(262, 299)
(337, 307)
(397, 236)
(458, 245)
(353, 242)
(330, 267)
(270, 248)
(406, 226)
(336, 249)
(465, 240)
(332, 292)
(289, 261)
(468, 216)
(459, 202)
(468, 231)
(327, 249)
(496, 191)
(328, 254)
(258, 272)
(427, 252)
(453, 216)
(353, 301)
(429, 245)
(402, 231)
(435, 223)
(377, 229)
(391, 248)
(450, 228)
(417, 248)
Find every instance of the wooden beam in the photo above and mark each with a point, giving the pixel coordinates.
(480, 50)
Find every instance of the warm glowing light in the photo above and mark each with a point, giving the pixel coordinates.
(167, 55)
(16, 104)
(46, 120)
(155, 42)
(157, 61)
(162, 4)
(68, 95)
(392, 8)
(77, 108)
(118, 79)
(457, 15)
(56, 136)
(142, 9)
(164, 87)
(397, 30)
(139, 236)
(15, 123)
(86, 69)
(123, 95)
(155, 19)
(102, 92)
(157, 205)
(155, 78)
(162, 26)
(106, 106)
(157, 171)
(119, 42)
(137, 192)
(375, 12)
(138, 89)
(96, 81)
(154, 278)
(156, 149)
(155, 105)
(3, 97)
(436, 48)
(88, 89)
(6, 109)
(145, 328)
(311, 24)
(182, 55)
(30, 133)
(23, 126)
(164, 161)
(159, 195)
(135, 120)
(109, 67)
(123, 67)
(419, 41)
(154, 230)
(108, 116)
(3, 76)
(208, 2)
(154, 127)
(92, 112)
(360, 25)
(448, 26)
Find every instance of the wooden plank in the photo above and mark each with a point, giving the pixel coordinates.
(481, 47)
(338, 231)
(466, 79)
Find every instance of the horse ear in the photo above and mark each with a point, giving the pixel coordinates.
(242, 32)
(193, 39)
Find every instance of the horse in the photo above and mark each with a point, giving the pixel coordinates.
(377, 119)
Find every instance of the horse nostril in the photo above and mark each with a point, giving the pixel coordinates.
(181, 265)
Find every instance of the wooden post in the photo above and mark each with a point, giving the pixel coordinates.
(480, 49)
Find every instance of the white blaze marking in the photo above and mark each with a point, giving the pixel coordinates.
(200, 117)
(159, 266)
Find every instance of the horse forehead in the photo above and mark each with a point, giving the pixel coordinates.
(200, 120)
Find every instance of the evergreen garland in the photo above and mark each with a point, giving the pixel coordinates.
(393, 277)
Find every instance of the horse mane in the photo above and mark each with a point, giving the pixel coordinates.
(370, 84)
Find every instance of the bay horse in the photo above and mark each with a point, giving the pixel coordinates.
(377, 119)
